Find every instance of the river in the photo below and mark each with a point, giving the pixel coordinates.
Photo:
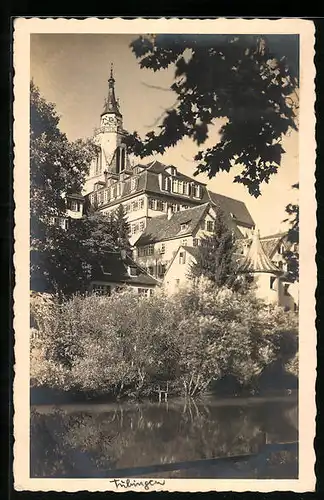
(140, 440)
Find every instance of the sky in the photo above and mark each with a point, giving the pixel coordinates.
(71, 70)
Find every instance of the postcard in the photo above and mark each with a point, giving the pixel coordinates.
(164, 253)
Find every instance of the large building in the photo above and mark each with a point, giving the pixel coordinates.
(146, 191)
(168, 211)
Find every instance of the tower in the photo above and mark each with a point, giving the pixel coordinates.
(111, 159)
(266, 275)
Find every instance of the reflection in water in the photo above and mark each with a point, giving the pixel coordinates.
(74, 441)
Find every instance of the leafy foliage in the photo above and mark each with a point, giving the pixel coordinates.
(57, 168)
(63, 260)
(292, 255)
(128, 345)
(246, 80)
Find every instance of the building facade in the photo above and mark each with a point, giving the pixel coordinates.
(169, 212)
(145, 191)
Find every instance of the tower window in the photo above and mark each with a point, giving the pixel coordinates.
(122, 159)
(272, 282)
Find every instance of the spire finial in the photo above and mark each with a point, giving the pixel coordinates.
(111, 70)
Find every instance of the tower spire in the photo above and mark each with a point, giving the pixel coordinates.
(111, 103)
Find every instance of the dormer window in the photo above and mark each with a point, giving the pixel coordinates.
(171, 170)
(132, 271)
(233, 216)
(184, 226)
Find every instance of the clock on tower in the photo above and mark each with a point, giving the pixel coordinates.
(109, 121)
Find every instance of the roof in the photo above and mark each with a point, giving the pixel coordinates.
(75, 196)
(256, 260)
(160, 168)
(115, 270)
(111, 104)
(161, 228)
(194, 251)
(232, 206)
(270, 243)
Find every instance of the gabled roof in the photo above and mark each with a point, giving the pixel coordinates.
(256, 260)
(271, 242)
(161, 228)
(193, 251)
(115, 270)
(232, 206)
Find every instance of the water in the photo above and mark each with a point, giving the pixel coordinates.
(97, 440)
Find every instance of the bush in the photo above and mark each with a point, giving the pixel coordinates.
(128, 345)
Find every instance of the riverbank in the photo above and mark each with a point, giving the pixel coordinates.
(47, 397)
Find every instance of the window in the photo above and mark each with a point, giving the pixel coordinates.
(182, 257)
(175, 186)
(180, 187)
(162, 248)
(64, 223)
(133, 228)
(281, 249)
(184, 207)
(286, 290)
(209, 226)
(161, 270)
(134, 205)
(280, 264)
(152, 204)
(132, 271)
(166, 184)
(118, 189)
(105, 195)
(150, 249)
(92, 199)
(101, 289)
(127, 207)
(141, 202)
(133, 184)
(122, 160)
(144, 251)
(150, 270)
(187, 189)
(184, 226)
(144, 291)
(195, 242)
(142, 226)
(74, 206)
(272, 282)
(159, 205)
(184, 242)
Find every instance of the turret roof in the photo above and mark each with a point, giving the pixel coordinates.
(111, 103)
(256, 260)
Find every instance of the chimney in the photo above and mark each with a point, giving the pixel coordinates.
(169, 212)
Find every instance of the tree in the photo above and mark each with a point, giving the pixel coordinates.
(84, 248)
(249, 81)
(292, 255)
(57, 169)
(122, 226)
(216, 257)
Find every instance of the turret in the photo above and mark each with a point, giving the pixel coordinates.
(265, 273)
